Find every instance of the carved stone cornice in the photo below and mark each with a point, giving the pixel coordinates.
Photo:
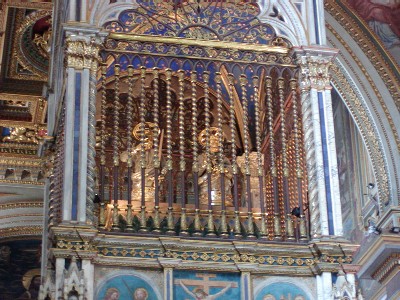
(390, 266)
(20, 162)
(25, 169)
(314, 64)
(14, 206)
(378, 260)
(28, 182)
(34, 106)
(351, 269)
(82, 254)
(83, 44)
(74, 231)
(31, 5)
(21, 232)
(183, 253)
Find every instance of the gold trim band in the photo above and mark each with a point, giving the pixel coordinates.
(201, 43)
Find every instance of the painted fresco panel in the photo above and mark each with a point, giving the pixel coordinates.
(190, 285)
(354, 170)
(127, 287)
(383, 18)
(283, 288)
(19, 270)
(346, 167)
(281, 291)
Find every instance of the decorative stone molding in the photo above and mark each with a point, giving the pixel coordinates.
(368, 131)
(343, 287)
(83, 44)
(82, 54)
(130, 251)
(48, 288)
(391, 265)
(314, 64)
(371, 47)
(74, 281)
(14, 206)
(22, 231)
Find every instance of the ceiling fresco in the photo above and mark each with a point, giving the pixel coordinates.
(382, 19)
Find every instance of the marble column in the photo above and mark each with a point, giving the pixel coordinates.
(324, 286)
(83, 44)
(60, 265)
(245, 279)
(247, 291)
(168, 265)
(88, 269)
(319, 140)
(168, 283)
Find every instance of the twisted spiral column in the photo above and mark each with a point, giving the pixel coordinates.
(91, 152)
(324, 197)
(309, 147)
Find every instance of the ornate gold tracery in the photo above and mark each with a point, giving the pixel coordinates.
(229, 21)
(205, 160)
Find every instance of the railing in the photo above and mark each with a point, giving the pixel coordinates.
(200, 139)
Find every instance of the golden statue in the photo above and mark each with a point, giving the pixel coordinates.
(146, 162)
(215, 171)
(22, 135)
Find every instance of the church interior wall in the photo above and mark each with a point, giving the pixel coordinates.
(377, 110)
(262, 267)
(126, 281)
(19, 265)
(352, 156)
(372, 90)
(277, 287)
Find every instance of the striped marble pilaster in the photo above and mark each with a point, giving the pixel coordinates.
(319, 139)
(332, 158)
(83, 45)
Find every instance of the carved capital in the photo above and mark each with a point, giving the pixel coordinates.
(82, 54)
(82, 47)
(314, 67)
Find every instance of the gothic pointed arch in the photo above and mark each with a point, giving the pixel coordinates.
(228, 21)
